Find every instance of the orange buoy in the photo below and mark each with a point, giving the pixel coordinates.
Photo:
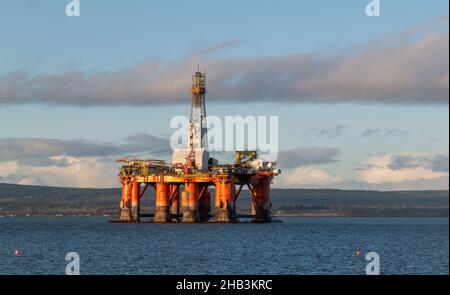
(17, 252)
(358, 253)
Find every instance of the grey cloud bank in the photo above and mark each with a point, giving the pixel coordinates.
(307, 156)
(384, 133)
(437, 163)
(329, 133)
(411, 70)
(39, 151)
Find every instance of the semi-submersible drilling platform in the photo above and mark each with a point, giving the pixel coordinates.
(191, 174)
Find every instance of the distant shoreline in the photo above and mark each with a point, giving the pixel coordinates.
(306, 214)
(29, 200)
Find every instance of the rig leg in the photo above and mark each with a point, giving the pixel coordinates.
(224, 200)
(162, 213)
(125, 203)
(135, 200)
(174, 202)
(184, 202)
(256, 192)
(262, 201)
(204, 203)
(190, 196)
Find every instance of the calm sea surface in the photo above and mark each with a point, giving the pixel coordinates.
(296, 246)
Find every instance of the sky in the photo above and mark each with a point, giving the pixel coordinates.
(362, 101)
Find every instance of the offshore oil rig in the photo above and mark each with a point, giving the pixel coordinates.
(191, 174)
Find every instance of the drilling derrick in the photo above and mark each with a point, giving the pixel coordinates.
(197, 126)
(195, 156)
(182, 187)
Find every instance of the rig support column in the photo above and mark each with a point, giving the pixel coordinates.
(262, 200)
(190, 195)
(174, 201)
(224, 200)
(125, 203)
(184, 202)
(256, 192)
(135, 200)
(204, 202)
(162, 213)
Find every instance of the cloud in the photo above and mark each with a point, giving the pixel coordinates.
(38, 148)
(309, 176)
(398, 162)
(440, 163)
(413, 69)
(143, 142)
(302, 156)
(394, 132)
(45, 162)
(384, 133)
(85, 163)
(76, 162)
(436, 163)
(41, 152)
(404, 171)
(398, 168)
(369, 132)
(83, 172)
(330, 133)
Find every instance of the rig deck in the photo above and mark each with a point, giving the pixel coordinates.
(195, 195)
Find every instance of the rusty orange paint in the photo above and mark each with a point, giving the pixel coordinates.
(162, 194)
(135, 194)
(174, 198)
(195, 196)
(124, 195)
(192, 189)
(184, 201)
(224, 192)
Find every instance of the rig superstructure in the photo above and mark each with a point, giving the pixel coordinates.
(182, 187)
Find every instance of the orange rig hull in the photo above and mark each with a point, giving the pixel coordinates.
(186, 197)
